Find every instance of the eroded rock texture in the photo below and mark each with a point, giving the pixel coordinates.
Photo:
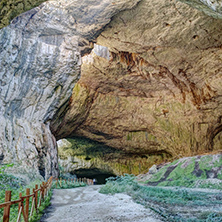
(40, 58)
(156, 88)
(151, 87)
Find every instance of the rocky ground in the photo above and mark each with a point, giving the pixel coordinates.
(86, 204)
(195, 172)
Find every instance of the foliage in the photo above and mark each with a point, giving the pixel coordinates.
(37, 216)
(165, 200)
(16, 185)
(12, 8)
(15, 196)
(8, 181)
(119, 184)
(83, 147)
(189, 172)
(65, 184)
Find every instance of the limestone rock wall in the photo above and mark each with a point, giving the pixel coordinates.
(156, 87)
(152, 85)
(210, 7)
(40, 63)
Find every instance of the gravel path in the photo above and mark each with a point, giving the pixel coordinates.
(86, 204)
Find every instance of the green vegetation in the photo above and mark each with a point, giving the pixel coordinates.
(173, 204)
(100, 155)
(9, 9)
(37, 216)
(190, 172)
(83, 147)
(16, 185)
(9, 181)
(65, 184)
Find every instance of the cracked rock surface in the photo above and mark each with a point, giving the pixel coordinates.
(152, 85)
(40, 63)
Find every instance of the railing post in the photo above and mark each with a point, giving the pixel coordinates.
(33, 202)
(19, 207)
(36, 197)
(7, 209)
(27, 203)
(43, 190)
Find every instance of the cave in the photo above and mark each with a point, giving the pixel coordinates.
(142, 77)
(94, 173)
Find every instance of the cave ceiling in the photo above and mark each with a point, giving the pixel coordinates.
(141, 76)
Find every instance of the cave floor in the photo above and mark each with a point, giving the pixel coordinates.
(86, 204)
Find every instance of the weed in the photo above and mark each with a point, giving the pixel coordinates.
(67, 185)
(164, 200)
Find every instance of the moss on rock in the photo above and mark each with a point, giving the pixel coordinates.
(198, 171)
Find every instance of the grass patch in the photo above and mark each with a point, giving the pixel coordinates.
(16, 185)
(190, 172)
(67, 185)
(177, 204)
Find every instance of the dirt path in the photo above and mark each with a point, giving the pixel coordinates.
(86, 204)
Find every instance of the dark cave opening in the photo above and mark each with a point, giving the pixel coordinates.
(94, 173)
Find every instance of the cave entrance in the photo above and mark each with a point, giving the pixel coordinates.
(94, 173)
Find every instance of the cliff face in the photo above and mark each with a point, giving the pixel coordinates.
(9, 9)
(152, 85)
(40, 63)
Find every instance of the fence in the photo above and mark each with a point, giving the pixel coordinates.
(37, 196)
(24, 208)
(74, 181)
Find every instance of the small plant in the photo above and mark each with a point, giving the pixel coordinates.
(66, 184)
(16, 186)
(119, 184)
(9, 181)
(164, 200)
(37, 216)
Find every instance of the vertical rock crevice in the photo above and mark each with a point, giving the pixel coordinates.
(40, 63)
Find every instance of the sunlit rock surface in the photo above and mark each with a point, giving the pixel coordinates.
(12, 8)
(159, 90)
(40, 63)
(151, 87)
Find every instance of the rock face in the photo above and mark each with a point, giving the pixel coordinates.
(40, 63)
(9, 9)
(152, 85)
(199, 171)
(210, 7)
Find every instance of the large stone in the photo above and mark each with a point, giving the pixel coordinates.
(40, 58)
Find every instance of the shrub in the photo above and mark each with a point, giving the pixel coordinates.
(164, 200)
